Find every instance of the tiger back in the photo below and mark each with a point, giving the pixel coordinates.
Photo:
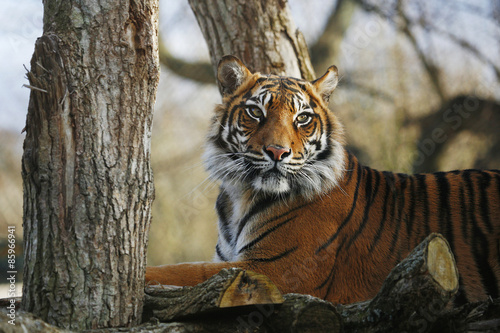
(296, 206)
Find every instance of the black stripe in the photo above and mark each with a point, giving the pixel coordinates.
(445, 223)
(231, 130)
(220, 205)
(219, 253)
(327, 151)
(391, 180)
(480, 249)
(497, 177)
(257, 208)
(275, 218)
(463, 212)
(350, 168)
(229, 116)
(330, 277)
(348, 217)
(384, 213)
(398, 205)
(271, 85)
(424, 199)
(371, 192)
(411, 211)
(460, 296)
(290, 85)
(277, 257)
(264, 234)
(466, 176)
(219, 141)
(248, 94)
(481, 254)
(484, 183)
(402, 213)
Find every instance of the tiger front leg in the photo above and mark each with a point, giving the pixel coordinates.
(187, 274)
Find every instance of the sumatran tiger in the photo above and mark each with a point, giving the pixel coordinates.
(296, 206)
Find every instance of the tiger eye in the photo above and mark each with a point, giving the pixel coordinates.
(302, 118)
(255, 112)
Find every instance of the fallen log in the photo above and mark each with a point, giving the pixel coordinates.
(414, 295)
(231, 288)
(414, 298)
(235, 300)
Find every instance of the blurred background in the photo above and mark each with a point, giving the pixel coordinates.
(419, 92)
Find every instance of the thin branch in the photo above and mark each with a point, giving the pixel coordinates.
(405, 27)
(431, 70)
(325, 51)
(465, 45)
(201, 72)
(370, 91)
(34, 88)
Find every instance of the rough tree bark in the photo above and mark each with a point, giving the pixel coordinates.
(261, 33)
(88, 185)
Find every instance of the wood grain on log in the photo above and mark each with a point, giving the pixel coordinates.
(246, 301)
(414, 294)
(228, 289)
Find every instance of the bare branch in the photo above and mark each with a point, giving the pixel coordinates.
(325, 51)
(465, 45)
(201, 72)
(403, 25)
(364, 89)
(432, 71)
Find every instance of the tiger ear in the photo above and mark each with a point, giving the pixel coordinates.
(231, 73)
(326, 84)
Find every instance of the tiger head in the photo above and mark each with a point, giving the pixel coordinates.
(275, 135)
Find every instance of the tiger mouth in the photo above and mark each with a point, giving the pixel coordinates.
(273, 174)
(272, 181)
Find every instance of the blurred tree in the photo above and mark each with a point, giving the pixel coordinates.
(465, 124)
(262, 34)
(88, 185)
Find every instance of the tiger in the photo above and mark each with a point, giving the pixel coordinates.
(297, 206)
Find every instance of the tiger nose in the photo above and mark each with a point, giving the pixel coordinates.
(277, 153)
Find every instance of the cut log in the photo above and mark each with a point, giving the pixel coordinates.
(235, 300)
(229, 289)
(414, 294)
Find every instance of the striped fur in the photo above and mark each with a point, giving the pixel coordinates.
(296, 206)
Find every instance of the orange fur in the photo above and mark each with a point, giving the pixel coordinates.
(335, 235)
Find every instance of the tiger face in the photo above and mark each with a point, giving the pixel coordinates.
(273, 134)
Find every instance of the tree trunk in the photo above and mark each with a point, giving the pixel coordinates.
(261, 33)
(88, 185)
